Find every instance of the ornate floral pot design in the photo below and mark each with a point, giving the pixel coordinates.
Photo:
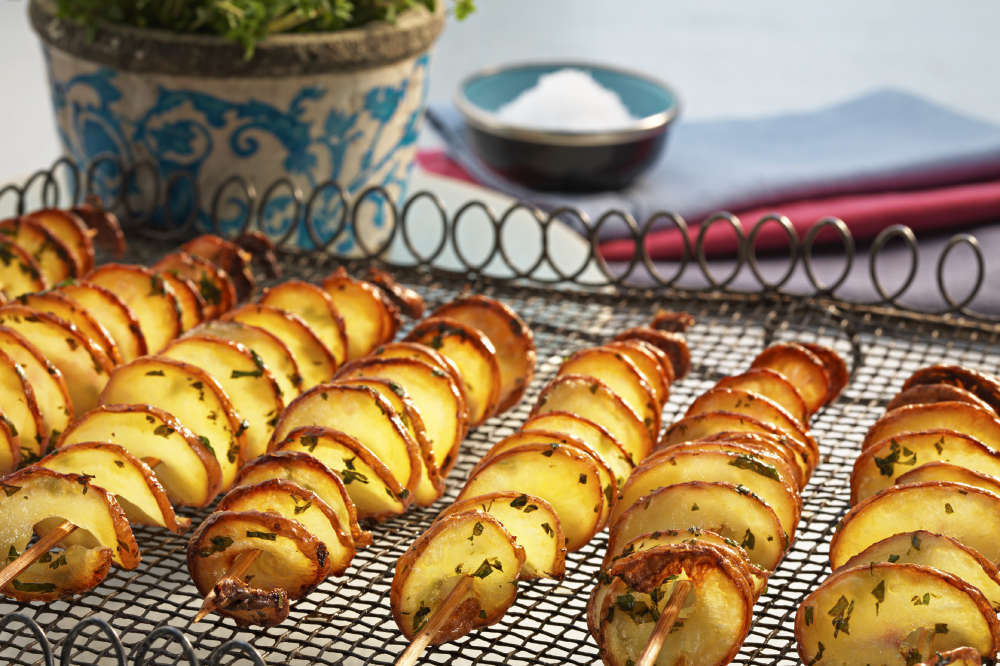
(343, 106)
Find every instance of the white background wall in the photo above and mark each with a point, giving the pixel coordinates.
(726, 58)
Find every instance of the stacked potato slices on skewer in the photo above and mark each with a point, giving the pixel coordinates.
(700, 524)
(914, 560)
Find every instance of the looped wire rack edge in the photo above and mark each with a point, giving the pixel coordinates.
(347, 620)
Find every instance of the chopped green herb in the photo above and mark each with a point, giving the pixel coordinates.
(38, 588)
(420, 617)
(266, 536)
(519, 501)
(310, 442)
(915, 541)
(748, 462)
(583, 479)
(748, 540)
(548, 530)
(155, 373)
(219, 545)
(208, 445)
(694, 507)
(484, 570)
(809, 615)
(948, 509)
(893, 558)
(887, 465)
(477, 530)
(349, 476)
(879, 594)
(530, 508)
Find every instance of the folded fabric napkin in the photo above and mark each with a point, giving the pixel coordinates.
(885, 158)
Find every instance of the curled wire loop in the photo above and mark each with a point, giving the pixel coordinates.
(847, 243)
(388, 203)
(34, 628)
(69, 644)
(167, 633)
(310, 222)
(242, 187)
(541, 222)
(734, 223)
(471, 267)
(643, 249)
(234, 647)
(130, 181)
(270, 197)
(559, 214)
(405, 217)
(973, 244)
(878, 245)
(793, 250)
(595, 246)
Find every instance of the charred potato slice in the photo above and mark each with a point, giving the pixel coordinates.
(570, 483)
(82, 363)
(671, 322)
(64, 307)
(511, 338)
(212, 282)
(594, 399)
(20, 415)
(230, 257)
(10, 447)
(367, 316)
(531, 521)
(189, 300)
(243, 376)
(984, 386)
(772, 385)
(181, 388)
(721, 507)
(316, 308)
(47, 383)
(952, 509)
(56, 260)
(473, 354)
(19, 272)
(151, 299)
(275, 353)
(598, 437)
(802, 368)
(104, 224)
(117, 317)
(130, 480)
(649, 365)
(472, 543)
(673, 345)
(310, 473)
(316, 363)
(942, 471)
(884, 613)
(68, 226)
(925, 394)
(409, 302)
(982, 424)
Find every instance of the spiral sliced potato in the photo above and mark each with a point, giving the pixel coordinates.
(802, 368)
(982, 424)
(276, 355)
(316, 309)
(151, 299)
(117, 317)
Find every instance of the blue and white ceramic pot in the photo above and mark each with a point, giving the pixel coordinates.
(344, 106)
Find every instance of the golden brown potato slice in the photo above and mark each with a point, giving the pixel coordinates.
(10, 447)
(793, 451)
(212, 282)
(406, 300)
(151, 299)
(752, 475)
(47, 383)
(773, 385)
(982, 424)
(19, 272)
(712, 624)
(511, 338)
(244, 377)
(672, 344)
(672, 322)
(938, 551)
(188, 470)
(835, 367)
(473, 354)
(924, 394)
(472, 543)
(598, 437)
(55, 259)
(67, 225)
(367, 316)
(82, 363)
(596, 401)
(309, 472)
(130, 480)
(317, 364)
(276, 354)
(291, 500)
(117, 317)
(964, 656)
(189, 300)
(76, 570)
(942, 471)
(436, 395)
(622, 376)
(721, 507)
(565, 477)
(316, 309)
(421, 353)
(181, 388)
(291, 559)
(20, 415)
(884, 613)
(984, 386)
(532, 522)
(953, 509)
(369, 484)
(103, 223)
(641, 353)
(802, 368)
(775, 456)
(230, 257)
(64, 307)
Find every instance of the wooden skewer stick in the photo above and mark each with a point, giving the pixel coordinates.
(30, 556)
(236, 570)
(665, 624)
(924, 643)
(423, 639)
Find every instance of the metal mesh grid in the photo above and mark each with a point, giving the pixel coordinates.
(347, 620)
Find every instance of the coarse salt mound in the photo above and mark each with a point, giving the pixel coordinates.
(567, 100)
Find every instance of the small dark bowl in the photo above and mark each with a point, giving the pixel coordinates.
(566, 161)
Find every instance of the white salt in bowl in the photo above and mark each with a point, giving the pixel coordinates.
(538, 126)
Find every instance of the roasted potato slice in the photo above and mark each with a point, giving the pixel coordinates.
(230, 257)
(570, 483)
(622, 376)
(78, 570)
(189, 300)
(277, 356)
(953, 509)
(246, 380)
(130, 480)
(20, 415)
(19, 272)
(594, 399)
(103, 223)
(671, 322)
(775, 456)
(316, 308)
(473, 354)
(368, 317)
(802, 368)
(532, 522)
(942, 471)
(309, 472)
(836, 368)
(672, 344)
(964, 656)
(66, 308)
(924, 394)
(598, 437)
(151, 299)
(55, 259)
(47, 383)
(369, 484)
(69, 227)
(291, 500)
(82, 363)
(721, 507)
(182, 388)
(437, 396)
(772, 385)
(982, 424)
(317, 364)
(213, 282)
(882, 613)
(291, 559)
(882, 463)
(510, 336)
(114, 315)
(472, 543)
(781, 446)
(649, 365)
(938, 551)
(408, 301)
(984, 386)
(421, 353)
(10, 447)
(712, 624)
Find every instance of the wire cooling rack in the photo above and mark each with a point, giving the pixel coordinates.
(146, 614)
